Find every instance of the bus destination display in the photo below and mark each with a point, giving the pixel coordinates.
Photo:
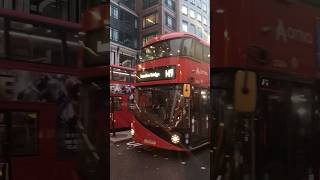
(154, 74)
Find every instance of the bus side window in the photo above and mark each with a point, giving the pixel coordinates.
(188, 47)
(117, 101)
(24, 133)
(198, 51)
(206, 54)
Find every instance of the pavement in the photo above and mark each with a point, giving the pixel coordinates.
(133, 161)
(120, 136)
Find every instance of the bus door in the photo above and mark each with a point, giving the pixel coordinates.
(27, 141)
(199, 116)
(271, 136)
(284, 132)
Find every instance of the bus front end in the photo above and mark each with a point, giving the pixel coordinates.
(162, 116)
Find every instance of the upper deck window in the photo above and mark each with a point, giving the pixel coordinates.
(40, 44)
(174, 47)
(121, 75)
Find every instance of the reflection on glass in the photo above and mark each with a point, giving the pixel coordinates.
(24, 133)
(161, 106)
(175, 47)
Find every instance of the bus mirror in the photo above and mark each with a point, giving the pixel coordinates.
(186, 90)
(245, 91)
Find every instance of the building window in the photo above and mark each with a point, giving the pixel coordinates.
(150, 20)
(204, 7)
(149, 3)
(205, 35)
(192, 14)
(170, 21)
(170, 4)
(136, 23)
(199, 18)
(114, 12)
(147, 37)
(114, 35)
(192, 29)
(129, 3)
(205, 21)
(199, 32)
(185, 26)
(198, 3)
(184, 10)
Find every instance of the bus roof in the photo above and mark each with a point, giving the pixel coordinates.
(174, 35)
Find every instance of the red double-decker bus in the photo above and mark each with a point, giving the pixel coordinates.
(265, 89)
(121, 96)
(39, 97)
(172, 93)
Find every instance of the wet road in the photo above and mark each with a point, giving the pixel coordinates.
(130, 162)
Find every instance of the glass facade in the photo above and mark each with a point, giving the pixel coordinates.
(147, 37)
(149, 3)
(124, 27)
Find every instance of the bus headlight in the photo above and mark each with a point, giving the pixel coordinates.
(175, 139)
(132, 132)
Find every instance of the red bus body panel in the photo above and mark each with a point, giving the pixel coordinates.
(188, 71)
(285, 30)
(31, 167)
(123, 118)
(145, 136)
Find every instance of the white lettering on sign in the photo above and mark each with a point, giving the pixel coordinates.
(149, 75)
(169, 73)
(201, 72)
(284, 33)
